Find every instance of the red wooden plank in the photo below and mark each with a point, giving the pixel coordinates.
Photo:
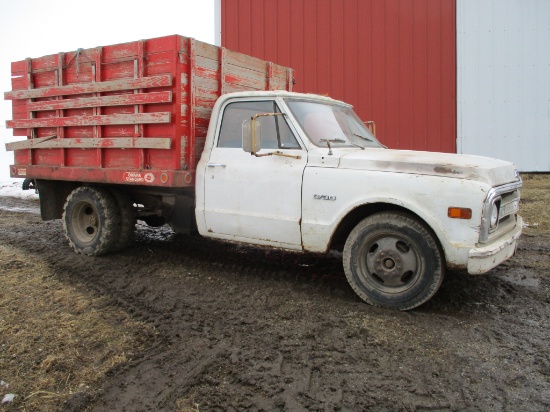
(114, 119)
(208, 73)
(116, 100)
(107, 86)
(190, 105)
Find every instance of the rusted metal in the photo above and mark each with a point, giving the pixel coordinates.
(253, 118)
(372, 126)
(254, 137)
(277, 153)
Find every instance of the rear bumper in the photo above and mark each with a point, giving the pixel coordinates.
(483, 259)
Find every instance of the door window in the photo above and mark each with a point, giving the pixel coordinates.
(276, 133)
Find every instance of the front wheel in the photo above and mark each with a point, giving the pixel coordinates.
(393, 261)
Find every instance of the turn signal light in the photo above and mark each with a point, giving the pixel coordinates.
(459, 213)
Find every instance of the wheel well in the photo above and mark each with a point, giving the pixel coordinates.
(359, 213)
(53, 195)
(176, 206)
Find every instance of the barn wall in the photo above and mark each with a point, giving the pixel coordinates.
(504, 80)
(394, 60)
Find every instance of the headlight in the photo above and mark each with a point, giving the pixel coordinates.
(494, 214)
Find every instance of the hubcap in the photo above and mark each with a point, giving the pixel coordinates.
(392, 263)
(85, 222)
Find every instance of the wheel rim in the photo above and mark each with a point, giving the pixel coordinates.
(391, 263)
(85, 222)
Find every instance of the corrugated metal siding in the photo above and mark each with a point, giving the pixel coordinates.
(504, 80)
(394, 60)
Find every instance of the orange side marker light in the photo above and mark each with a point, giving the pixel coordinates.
(459, 213)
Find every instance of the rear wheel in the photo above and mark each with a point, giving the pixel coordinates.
(91, 220)
(127, 226)
(392, 260)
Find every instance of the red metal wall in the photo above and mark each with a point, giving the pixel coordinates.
(394, 60)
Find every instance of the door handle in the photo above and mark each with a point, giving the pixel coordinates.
(215, 165)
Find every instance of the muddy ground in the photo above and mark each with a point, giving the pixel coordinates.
(217, 326)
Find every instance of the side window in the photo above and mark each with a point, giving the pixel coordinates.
(275, 131)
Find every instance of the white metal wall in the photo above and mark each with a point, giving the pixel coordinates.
(503, 81)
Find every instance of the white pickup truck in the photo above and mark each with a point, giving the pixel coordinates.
(281, 169)
(312, 177)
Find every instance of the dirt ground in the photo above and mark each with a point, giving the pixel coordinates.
(179, 323)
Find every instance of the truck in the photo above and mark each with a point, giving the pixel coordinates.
(174, 131)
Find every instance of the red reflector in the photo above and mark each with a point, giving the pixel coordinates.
(459, 213)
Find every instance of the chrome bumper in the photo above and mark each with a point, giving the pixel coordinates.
(483, 259)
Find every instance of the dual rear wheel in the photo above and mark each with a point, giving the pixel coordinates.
(98, 221)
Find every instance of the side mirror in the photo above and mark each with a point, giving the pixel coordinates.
(252, 136)
(371, 126)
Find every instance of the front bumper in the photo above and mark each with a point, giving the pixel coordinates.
(483, 259)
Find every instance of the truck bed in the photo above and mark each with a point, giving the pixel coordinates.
(135, 113)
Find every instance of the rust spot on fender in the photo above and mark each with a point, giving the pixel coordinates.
(446, 170)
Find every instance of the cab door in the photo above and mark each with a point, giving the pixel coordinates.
(255, 199)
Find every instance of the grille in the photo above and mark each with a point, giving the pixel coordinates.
(506, 199)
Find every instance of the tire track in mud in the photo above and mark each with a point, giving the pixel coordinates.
(244, 328)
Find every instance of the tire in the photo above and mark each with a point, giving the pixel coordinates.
(127, 227)
(393, 261)
(29, 184)
(91, 220)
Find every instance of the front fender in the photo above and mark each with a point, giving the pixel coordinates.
(329, 195)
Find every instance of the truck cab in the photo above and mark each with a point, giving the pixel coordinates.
(303, 172)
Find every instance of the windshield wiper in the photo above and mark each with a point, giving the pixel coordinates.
(363, 137)
(369, 140)
(357, 145)
(339, 140)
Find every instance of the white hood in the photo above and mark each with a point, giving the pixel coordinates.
(494, 172)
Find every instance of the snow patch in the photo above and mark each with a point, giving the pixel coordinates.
(12, 188)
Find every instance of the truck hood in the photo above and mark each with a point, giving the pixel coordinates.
(494, 172)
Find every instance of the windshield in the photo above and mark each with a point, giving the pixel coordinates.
(335, 125)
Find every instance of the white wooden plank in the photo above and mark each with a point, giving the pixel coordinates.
(92, 143)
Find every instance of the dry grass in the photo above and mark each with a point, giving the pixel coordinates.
(55, 340)
(186, 405)
(535, 203)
